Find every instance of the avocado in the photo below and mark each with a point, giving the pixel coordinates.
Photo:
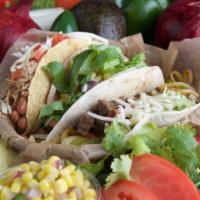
(102, 17)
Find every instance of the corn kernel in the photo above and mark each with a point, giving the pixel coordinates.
(80, 174)
(69, 169)
(41, 175)
(27, 177)
(77, 179)
(25, 167)
(89, 193)
(69, 180)
(50, 178)
(44, 162)
(65, 172)
(32, 183)
(72, 195)
(60, 186)
(50, 192)
(34, 166)
(48, 198)
(86, 184)
(88, 198)
(44, 186)
(36, 199)
(19, 180)
(24, 190)
(4, 193)
(15, 187)
(51, 170)
(52, 160)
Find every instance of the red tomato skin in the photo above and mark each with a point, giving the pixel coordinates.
(67, 4)
(57, 38)
(127, 190)
(163, 178)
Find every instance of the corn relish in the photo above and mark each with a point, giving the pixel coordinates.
(51, 179)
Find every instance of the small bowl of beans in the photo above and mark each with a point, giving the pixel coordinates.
(52, 179)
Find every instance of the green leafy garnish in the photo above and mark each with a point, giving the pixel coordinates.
(48, 110)
(94, 168)
(79, 61)
(175, 143)
(137, 61)
(113, 141)
(120, 170)
(57, 73)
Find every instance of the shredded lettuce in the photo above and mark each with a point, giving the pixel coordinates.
(57, 73)
(48, 110)
(137, 109)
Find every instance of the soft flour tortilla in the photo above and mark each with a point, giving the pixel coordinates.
(125, 84)
(40, 84)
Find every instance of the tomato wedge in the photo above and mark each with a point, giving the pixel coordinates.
(57, 38)
(163, 178)
(127, 190)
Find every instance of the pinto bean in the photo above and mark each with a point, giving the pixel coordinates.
(14, 116)
(21, 106)
(22, 124)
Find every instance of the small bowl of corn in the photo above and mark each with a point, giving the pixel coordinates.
(52, 179)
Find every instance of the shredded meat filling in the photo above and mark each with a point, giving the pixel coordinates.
(88, 124)
(20, 86)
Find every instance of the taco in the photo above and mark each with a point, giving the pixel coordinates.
(81, 72)
(132, 103)
(28, 83)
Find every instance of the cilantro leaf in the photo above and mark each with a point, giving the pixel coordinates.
(146, 139)
(113, 141)
(57, 73)
(120, 170)
(175, 143)
(182, 143)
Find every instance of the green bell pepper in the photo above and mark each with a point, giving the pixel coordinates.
(65, 22)
(141, 16)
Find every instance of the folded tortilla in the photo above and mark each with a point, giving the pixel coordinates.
(39, 84)
(125, 84)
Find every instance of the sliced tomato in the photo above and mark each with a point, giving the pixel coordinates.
(127, 190)
(17, 74)
(67, 4)
(163, 178)
(38, 54)
(58, 38)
